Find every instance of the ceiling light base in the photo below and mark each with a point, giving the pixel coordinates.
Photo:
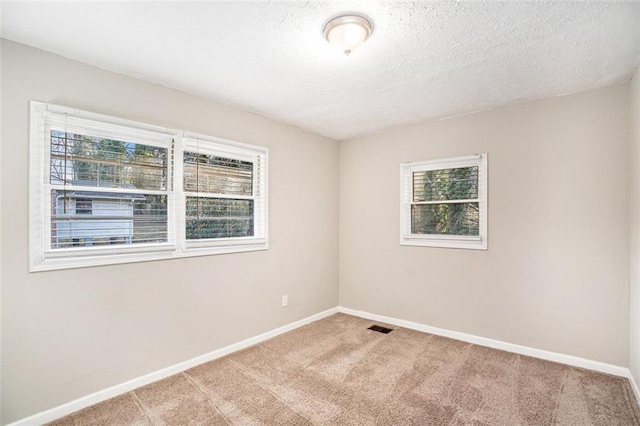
(347, 32)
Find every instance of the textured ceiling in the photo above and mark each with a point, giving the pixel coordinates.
(424, 59)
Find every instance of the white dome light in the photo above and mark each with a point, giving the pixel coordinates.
(347, 32)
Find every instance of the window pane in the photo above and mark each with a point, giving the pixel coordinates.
(91, 161)
(84, 205)
(218, 218)
(217, 175)
(112, 218)
(445, 219)
(446, 184)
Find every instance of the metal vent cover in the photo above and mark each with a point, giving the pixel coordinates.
(381, 329)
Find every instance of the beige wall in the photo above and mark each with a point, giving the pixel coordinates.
(69, 333)
(634, 356)
(556, 274)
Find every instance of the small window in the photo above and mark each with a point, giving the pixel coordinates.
(444, 203)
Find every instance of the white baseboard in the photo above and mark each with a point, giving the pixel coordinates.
(94, 398)
(497, 344)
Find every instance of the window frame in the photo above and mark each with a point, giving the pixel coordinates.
(439, 240)
(233, 150)
(44, 258)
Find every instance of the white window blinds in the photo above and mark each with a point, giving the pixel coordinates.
(107, 190)
(224, 193)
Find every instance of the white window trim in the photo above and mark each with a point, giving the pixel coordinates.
(446, 241)
(43, 259)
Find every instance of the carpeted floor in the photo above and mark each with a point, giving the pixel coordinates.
(336, 372)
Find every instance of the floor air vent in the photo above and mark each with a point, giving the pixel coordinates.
(379, 329)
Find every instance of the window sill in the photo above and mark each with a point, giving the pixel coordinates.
(444, 241)
(53, 264)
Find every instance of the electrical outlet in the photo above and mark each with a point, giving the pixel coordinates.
(285, 301)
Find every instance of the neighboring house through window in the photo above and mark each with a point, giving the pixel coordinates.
(444, 203)
(106, 190)
(88, 218)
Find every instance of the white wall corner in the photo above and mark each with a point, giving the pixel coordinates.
(634, 386)
(634, 231)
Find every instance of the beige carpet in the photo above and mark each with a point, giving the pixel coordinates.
(336, 372)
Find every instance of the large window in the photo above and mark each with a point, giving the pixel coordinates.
(444, 203)
(106, 190)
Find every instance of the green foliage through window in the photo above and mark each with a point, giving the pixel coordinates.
(94, 161)
(218, 218)
(445, 219)
(446, 184)
(448, 217)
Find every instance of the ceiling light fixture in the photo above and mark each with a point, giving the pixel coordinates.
(347, 32)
